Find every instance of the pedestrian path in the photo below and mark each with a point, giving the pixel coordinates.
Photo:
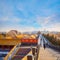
(44, 54)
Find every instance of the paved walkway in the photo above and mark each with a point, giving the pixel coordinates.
(44, 54)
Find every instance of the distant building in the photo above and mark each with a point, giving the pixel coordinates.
(13, 33)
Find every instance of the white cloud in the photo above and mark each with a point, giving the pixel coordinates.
(19, 28)
(44, 20)
(54, 27)
(4, 18)
(22, 8)
(10, 18)
(7, 12)
(48, 23)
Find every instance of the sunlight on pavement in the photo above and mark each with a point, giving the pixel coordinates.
(44, 54)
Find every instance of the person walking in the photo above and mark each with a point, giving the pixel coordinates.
(44, 44)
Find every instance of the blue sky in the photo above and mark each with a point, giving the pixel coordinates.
(29, 15)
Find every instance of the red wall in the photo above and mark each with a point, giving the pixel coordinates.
(29, 40)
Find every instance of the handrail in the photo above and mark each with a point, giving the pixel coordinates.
(51, 45)
(11, 53)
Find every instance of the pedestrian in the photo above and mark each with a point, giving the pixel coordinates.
(44, 45)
